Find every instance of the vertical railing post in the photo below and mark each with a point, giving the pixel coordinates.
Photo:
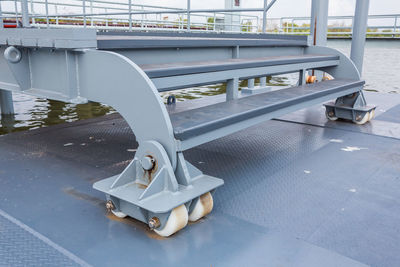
(360, 25)
(25, 14)
(32, 12)
(215, 21)
(130, 15)
(1, 18)
(47, 13)
(264, 22)
(141, 17)
(105, 11)
(16, 11)
(56, 13)
(188, 16)
(91, 13)
(84, 12)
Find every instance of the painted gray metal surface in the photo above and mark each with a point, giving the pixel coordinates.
(174, 82)
(284, 207)
(184, 68)
(210, 118)
(108, 42)
(25, 14)
(6, 102)
(304, 39)
(319, 22)
(69, 71)
(49, 38)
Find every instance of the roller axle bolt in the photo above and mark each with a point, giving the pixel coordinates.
(110, 206)
(147, 163)
(154, 223)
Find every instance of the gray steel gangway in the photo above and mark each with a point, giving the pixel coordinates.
(129, 70)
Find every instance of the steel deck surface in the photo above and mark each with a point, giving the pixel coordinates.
(299, 191)
(145, 40)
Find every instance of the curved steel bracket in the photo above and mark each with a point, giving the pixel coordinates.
(344, 70)
(111, 78)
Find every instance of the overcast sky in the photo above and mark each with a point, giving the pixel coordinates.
(289, 7)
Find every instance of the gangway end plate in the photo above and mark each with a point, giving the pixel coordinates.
(49, 38)
(163, 201)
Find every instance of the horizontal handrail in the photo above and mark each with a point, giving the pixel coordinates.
(123, 15)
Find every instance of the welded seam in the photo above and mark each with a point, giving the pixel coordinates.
(41, 237)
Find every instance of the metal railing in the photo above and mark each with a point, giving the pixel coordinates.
(117, 15)
(379, 26)
(106, 15)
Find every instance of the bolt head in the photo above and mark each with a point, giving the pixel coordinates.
(147, 163)
(109, 205)
(154, 223)
(13, 54)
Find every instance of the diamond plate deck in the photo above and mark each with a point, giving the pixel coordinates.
(299, 191)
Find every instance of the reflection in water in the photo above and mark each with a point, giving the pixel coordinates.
(32, 113)
(7, 123)
(211, 90)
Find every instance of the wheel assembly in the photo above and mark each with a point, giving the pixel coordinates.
(177, 220)
(203, 206)
(360, 120)
(330, 115)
